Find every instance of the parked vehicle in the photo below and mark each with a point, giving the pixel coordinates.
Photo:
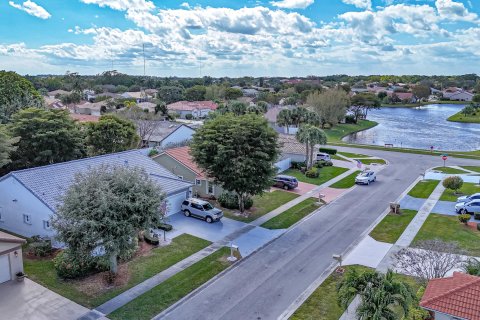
(285, 182)
(468, 207)
(201, 209)
(475, 196)
(366, 177)
(323, 156)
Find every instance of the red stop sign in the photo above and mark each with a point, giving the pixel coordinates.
(444, 158)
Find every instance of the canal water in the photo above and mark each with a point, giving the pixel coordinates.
(419, 128)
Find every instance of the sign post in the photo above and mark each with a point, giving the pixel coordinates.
(444, 158)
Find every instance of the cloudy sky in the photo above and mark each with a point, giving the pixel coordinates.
(241, 37)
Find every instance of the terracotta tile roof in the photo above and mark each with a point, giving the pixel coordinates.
(457, 296)
(192, 105)
(6, 237)
(182, 155)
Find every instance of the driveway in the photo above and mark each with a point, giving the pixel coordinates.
(29, 300)
(199, 228)
(302, 188)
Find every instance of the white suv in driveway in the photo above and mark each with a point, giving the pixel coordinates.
(201, 209)
(366, 177)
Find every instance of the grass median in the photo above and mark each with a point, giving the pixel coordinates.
(370, 161)
(347, 182)
(449, 170)
(325, 174)
(423, 189)
(392, 226)
(173, 289)
(289, 217)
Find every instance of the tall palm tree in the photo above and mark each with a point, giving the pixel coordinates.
(310, 136)
(284, 118)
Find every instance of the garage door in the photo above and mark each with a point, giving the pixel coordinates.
(175, 202)
(4, 268)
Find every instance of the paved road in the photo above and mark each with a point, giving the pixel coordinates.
(265, 284)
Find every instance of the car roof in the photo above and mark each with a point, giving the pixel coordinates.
(197, 201)
(285, 176)
(475, 194)
(474, 201)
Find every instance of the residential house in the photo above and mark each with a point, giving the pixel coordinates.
(89, 95)
(29, 198)
(460, 96)
(169, 134)
(150, 106)
(179, 162)
(11, 260)
(139, 96)
(53, 103)
(198, 109)
(453, 298)
(56, 93)
(406, 97)
(271, 116)
(91, 108)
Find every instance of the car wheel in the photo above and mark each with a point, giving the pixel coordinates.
(463, 211)
(186, 213)
(285, 187)
(209, 219)
(368, 182)
(374, 179)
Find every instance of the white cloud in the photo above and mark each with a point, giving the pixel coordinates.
(185, 5)
(292, 4)
(362, 4)
(32, 9)
(123, 5)
(452, 10)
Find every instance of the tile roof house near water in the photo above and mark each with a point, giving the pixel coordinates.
(198, 109)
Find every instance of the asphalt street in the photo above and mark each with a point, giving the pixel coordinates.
(266, 283)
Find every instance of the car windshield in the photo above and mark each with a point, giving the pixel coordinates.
(364, 174)
(207, 206)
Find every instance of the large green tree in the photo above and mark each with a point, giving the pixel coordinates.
(285, 119)
(310, 135)
(196, 93)
(330, 105)
(238, 152)
(106, 208)
(6, 146)
(16, 93)
(111, 134)
(170, 94)
(233, 93)
(45, 137)
(361, 103)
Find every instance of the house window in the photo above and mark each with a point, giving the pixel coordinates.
(46, 224)
(198, 182)
(27, 219)
(210, 188)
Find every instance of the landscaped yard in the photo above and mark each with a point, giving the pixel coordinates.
(449, 229)
(449, 170)
(289, 217)
(460, 117)
(467, 188)
(335, 134)
(353, 155)
(472, 168)
(347, 182)
(326, 174)
(392, 226)
(173, 289)
(262, 205)
(90, 291)
(423, 189)
(370, 161)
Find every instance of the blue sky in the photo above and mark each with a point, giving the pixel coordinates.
(242, 37)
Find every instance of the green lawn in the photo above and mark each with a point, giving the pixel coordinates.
(173, 289)
(467, 188)
(370, 161)
(262, 205)
(460, 117)
(353, 155)
(423, 189)
(449, 229)
(347, 182)
(287, 218)
(326, 174)
(341, 130)
(392, 226)
(449, 170)
(140, 269)
(472, 168)
(336, 157)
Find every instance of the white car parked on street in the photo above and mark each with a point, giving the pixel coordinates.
(366, 177)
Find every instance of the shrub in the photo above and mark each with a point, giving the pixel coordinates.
(248, 203)
(130, 252)
(476, 215)
(464, 218)
(189, 116)
(328, 150)
(165, 226)
(151, 239)
(350, 119)
(327, 163)
(453, 183)
(297, 165)
(229, 200)
(312, 173)
(478, 226)
(74, 265)
(40, 248)
(152, 152)
(319, 164)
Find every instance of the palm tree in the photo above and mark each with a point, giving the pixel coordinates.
(284, 118)
(310, 136)
(379, 293)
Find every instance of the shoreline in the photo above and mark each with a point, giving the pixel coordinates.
(460, 118)
(421, 104)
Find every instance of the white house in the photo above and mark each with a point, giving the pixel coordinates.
(198, 109)
(29, 198)
(11, 260)
(460, 96)
(168, 134)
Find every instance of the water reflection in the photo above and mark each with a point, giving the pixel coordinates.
(419, 128)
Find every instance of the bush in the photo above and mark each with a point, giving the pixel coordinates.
(130, 252)
(40, 248)
(350, 119)
(319, 164)
(478, 226)
(230, 201)
(312, 173)
(165, 227)
(151, 239)
(297, 165)
(464, 218)
(476, 215)
(328, 151)
(74, 265)
(189, 116)
(153, 152)
(453, 183)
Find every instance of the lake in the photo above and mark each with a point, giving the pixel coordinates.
(419, 128)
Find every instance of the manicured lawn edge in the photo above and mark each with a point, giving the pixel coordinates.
(347, 182)
(326, 174)
(291, 216)
(472, 168)
(392, 226)
(467, 188)
(449, 170)
(423, 189)
(460, 117)
(339, 131)
(173, 289)
(370, 161)
(353, 155)
(141, 268)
